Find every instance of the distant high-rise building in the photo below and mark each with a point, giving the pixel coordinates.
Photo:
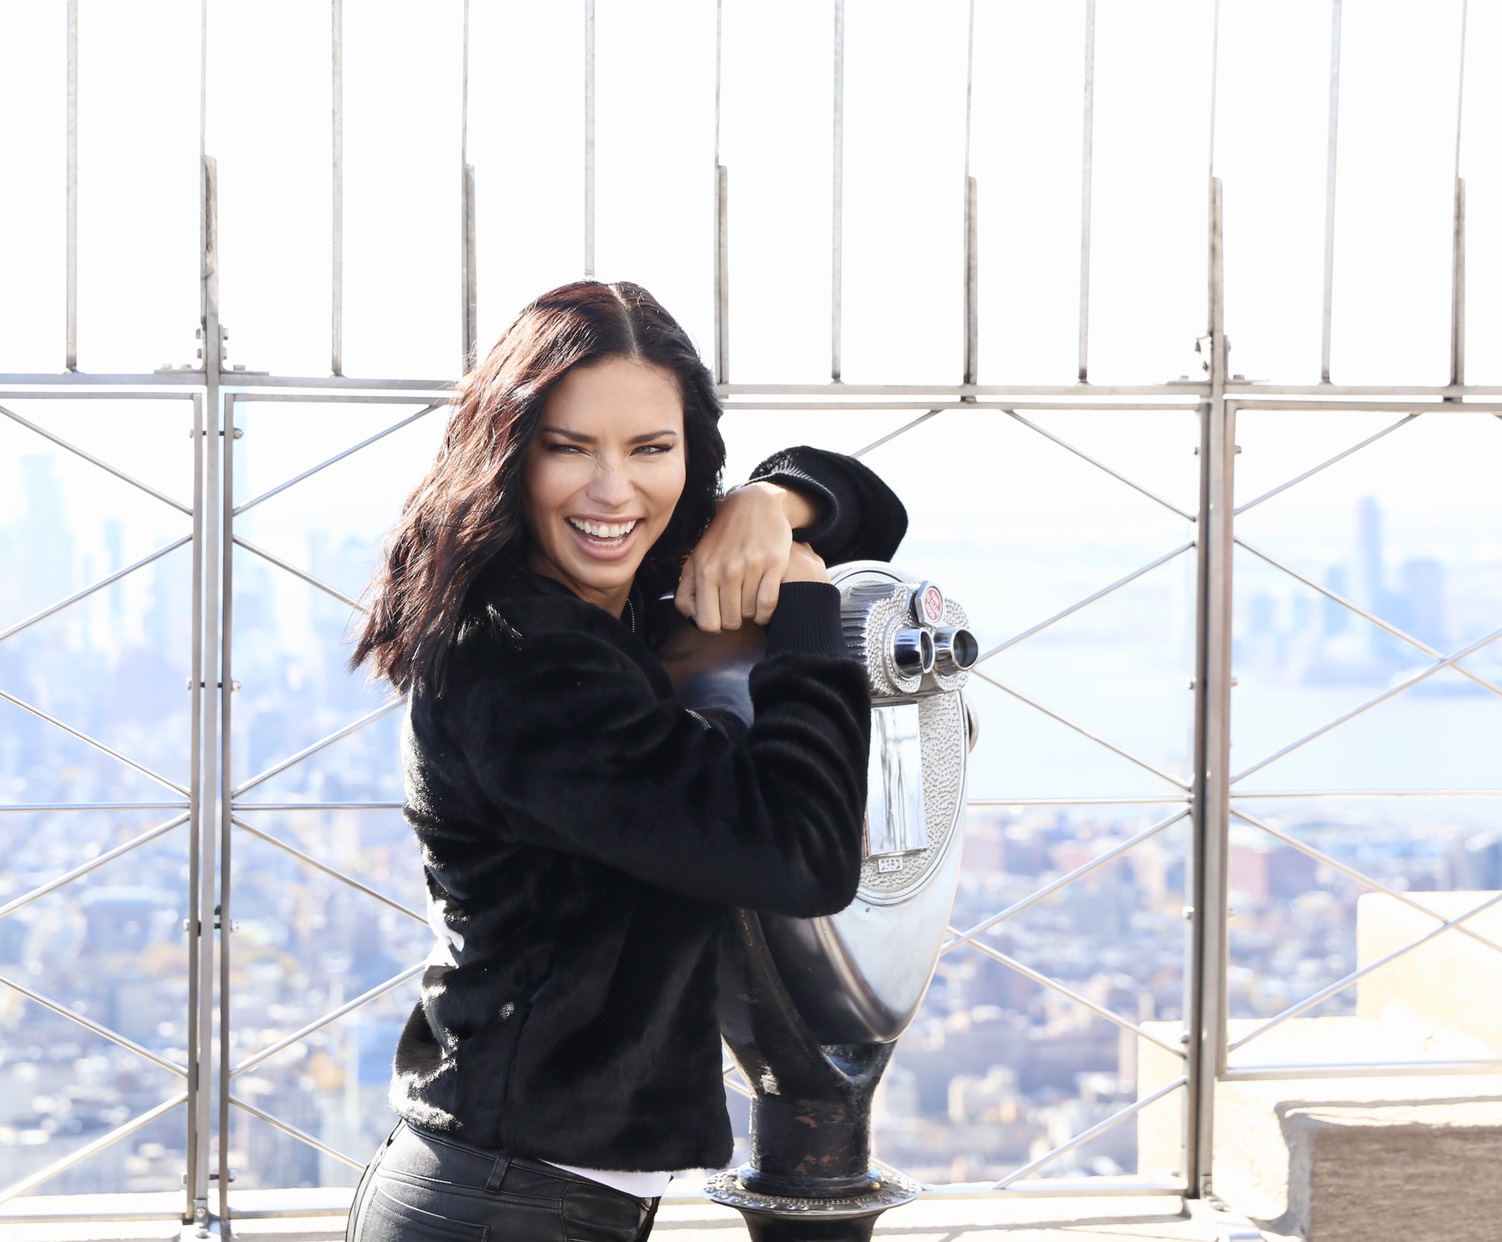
(1369, 575)
(1261, 613)
(47, 550)
(1335, 618)
(1421, 600)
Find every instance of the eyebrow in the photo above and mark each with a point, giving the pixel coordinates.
(580, 438)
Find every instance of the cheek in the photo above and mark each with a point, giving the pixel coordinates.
(544, 483)
(535, 493)
(672, 489)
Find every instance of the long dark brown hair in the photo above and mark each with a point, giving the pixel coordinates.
(468, 509)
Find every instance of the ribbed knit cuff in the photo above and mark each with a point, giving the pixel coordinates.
(807, 620)
(834, 521)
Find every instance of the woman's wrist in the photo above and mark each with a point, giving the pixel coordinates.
(801, 510)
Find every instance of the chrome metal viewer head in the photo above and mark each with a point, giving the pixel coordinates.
(912, 640)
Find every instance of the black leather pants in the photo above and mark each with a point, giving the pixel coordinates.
(424, 1187)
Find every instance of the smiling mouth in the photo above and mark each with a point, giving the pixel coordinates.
(603, 534)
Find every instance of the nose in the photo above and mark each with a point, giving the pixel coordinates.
(608, 485)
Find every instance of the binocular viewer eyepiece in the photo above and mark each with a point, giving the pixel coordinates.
(913, 651)
(911, 639)
(946, 650)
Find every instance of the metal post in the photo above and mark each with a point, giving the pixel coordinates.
(469, 329)
(1330, 147)
(70, 362)
(972, 288)
(467, 279)
(837, 266)
(200, 1008)
(336, 328)
(1087, 175)
(210, 737)
(722, 276)
(1457, 251)
(1212, 714)
(1457, 291)
(223, 526)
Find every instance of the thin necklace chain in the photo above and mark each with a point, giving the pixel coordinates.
(630, 615)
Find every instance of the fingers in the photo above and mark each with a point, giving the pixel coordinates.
(721, 597)
(686, 600)
(767, 595)
(724, 596)
(736, 570)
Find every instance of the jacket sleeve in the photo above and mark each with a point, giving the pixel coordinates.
(863, 518)
(578, 748)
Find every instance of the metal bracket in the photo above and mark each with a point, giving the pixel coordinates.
(218, 923)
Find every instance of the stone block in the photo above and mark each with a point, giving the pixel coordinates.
(1343, 1157)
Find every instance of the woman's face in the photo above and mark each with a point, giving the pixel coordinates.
(602, 476)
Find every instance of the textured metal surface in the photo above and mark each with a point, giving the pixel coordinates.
(942, 729)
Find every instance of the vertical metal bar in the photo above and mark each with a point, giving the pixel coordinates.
(1087, 175)
(972, 288)
(1457, 291)
(202, 1078)
(1457, 251)
(216, 739)
(467, 291)
(1330, 150)
(1212, 718)
(336, 197)
(209, 298)
(70, 362)
(469, 329)
(722, 276)
(209, 1081)
(722, 212)
(199, 1014)
(224, 613)
(837, 241)
(589, 137)
(972, 293)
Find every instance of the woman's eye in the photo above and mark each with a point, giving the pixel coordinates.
(652, 449)
(560, 446)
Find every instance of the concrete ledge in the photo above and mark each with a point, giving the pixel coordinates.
(1424, 1172)
(1344, 1157)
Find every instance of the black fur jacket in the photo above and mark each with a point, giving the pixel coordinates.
(584, 838)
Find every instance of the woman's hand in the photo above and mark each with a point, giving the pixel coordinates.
(737, 568)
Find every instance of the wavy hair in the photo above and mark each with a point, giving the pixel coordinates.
(468, 508)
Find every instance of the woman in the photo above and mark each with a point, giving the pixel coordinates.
(583, 834)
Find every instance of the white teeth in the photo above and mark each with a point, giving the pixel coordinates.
(603, 530)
